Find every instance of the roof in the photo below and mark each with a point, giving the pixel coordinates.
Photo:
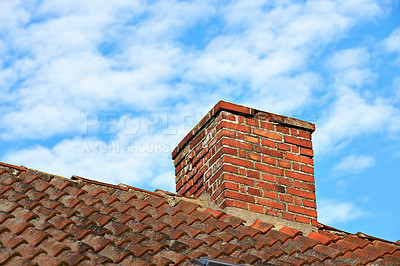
(51, 220)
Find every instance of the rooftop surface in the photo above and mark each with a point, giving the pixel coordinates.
(50, 220)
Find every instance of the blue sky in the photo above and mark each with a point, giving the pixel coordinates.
(106, 89)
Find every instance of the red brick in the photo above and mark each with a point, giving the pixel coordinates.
(253, 174)
(270, 186)
(241, 119)
(297, 141)
(314, 222)
(307, 152)
(267, 134)
(298, 158)
(267, 151)
(271, 212)
(302, 219)
(251, 122)
(238, 196)
(307, 169)
(268, 143)
(242, 171)
(253, 139)
(282, 129)
(239, 162)
(300, 193)
(284, 164)
(221, 105)
(269, 160)
(254, 191)
(270, 194)
(286, 198)
(297, 201)
(230, 168)
(253, 156)
(283, 181)
(269, 169)
(197, 139)
(301, 210)
(227, 203)
(240, 136)
(271, 203)
(309, 203)
(228, 116)
(295, 149)
(268, 177)
(305, 134)
(283, 147)
(296, 166)
(235, 127)
(242, 154)
(308, 186)
(256, 208)
(238, 179)
(267, 125)
(237, 144)
(232, 186)
(287, 216)
(296, 184)
(240, 204)
(300, 176)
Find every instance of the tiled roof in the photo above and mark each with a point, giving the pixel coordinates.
(50, 220)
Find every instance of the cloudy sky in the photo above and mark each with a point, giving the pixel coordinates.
(106, 89)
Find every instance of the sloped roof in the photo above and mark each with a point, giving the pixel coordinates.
(50, 220)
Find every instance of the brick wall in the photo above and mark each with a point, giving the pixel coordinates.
(250, 159)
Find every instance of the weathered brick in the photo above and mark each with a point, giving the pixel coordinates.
(267, 134)
(267, 151)
(237, 144)
(300, 193)
(299, 158)
(238, 179)
(297, 141)
(286, 198)
(268, 143)
(301, 210)
(300, 176)
(287, 216)
(256, 208)
(307, 169)
(271, 203)
(269, 169)
(240, 204)
(238, 196)
(254, 191)
(302, 219)
(239, 162)
(270, 194)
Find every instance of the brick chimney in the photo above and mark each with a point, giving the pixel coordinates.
(250, 163)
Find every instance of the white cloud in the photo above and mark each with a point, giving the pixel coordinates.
(353, 164)
(63, 60)
(351, 115)
(333, 212)
(392, 43)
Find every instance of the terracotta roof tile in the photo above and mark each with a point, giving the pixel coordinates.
(52, 220)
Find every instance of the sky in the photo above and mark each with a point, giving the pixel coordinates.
(106, 89)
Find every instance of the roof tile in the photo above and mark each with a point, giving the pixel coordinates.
(71, 222)
(262, 226)
(11, 240)
(29, 251)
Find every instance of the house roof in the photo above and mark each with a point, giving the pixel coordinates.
(50, 220)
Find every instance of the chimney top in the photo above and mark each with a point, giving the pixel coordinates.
(252, 164)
